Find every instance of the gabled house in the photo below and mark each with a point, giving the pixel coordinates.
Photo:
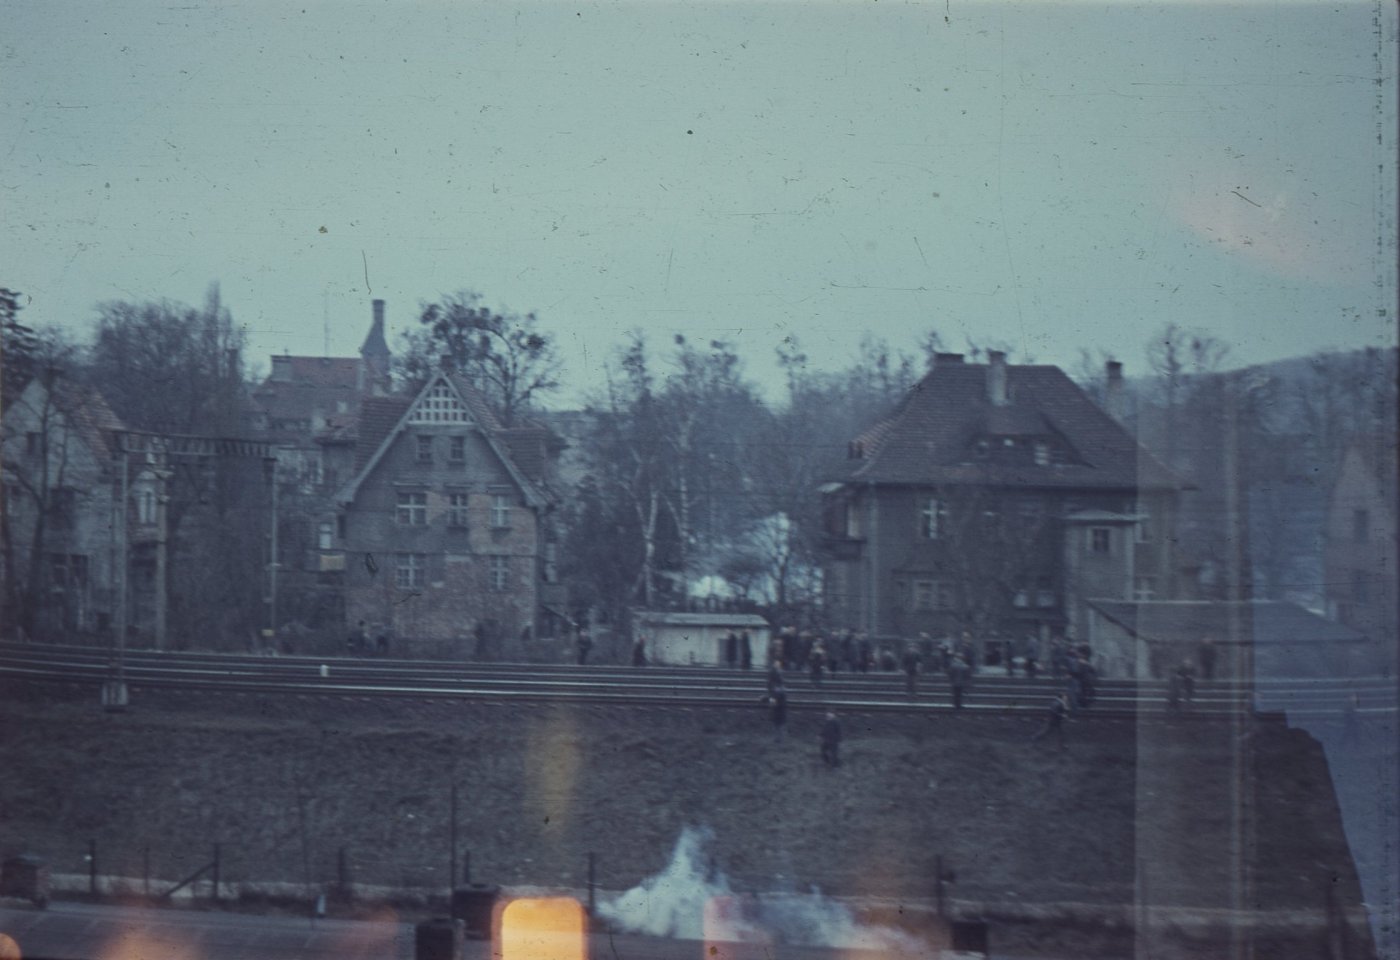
(59, 448)
(1361, 541)
(444, 525)
(996, 500)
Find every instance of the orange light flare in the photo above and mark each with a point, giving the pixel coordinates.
(9, 950)
(143, 945)
(542, 928)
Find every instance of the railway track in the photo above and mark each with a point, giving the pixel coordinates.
(991, 691)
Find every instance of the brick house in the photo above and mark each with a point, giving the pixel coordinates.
(1360, 541)
(445, 525)
(995, 499)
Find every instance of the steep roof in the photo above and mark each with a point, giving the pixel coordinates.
(926, 440)
(381, 418)
(90, 416)
(301, 389)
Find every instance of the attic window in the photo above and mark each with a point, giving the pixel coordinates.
(440, 405)
(1042, 453)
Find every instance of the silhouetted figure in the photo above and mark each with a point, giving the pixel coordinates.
(745, 651)
(911, 670)
(1206, 654)
(777, 709)
(1055, 722)
(731, 649)
(639, 652)
(958, 675)
(831, 740)
(585, 645)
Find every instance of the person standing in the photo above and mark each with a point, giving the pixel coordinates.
(585, 644)
(1055, 722)
(731, 648)
(745, 651)
(639, 652)
(911, 670)
(831, 740)
(777, 706)
(1205, 653)
(958, 675)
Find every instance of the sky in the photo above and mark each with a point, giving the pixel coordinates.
(1046, 177)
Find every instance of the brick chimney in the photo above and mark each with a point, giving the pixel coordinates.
(996, 378)
(1113, 402)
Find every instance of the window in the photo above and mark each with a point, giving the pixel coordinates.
(1042, 453)
(441, 406)
(551, 562)
(932, 595)
(409, 570)
(413, 509)
(456, 509)
(324, 533)
(933, 518)
(499, 572)
(500, 510)
(146, 506)
(425, 449)
(1099, 540)
(1144, 588)
(457, 449)
(1360, 525)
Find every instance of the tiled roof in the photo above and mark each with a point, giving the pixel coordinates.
(90, 416)
(307, 389)
(476, 403)
(927, 439)
(378, 416)
(1187, 621)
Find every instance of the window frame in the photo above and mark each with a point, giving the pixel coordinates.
(410, 571)
(413, 513)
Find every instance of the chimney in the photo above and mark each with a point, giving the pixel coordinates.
(996, 377)
(282, 368)
(1113, 402)
(378, 313)
(946, 359)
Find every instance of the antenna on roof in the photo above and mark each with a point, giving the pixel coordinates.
(325, 322)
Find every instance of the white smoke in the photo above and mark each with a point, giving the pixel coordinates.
(690, 899)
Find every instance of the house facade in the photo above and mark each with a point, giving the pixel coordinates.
(59, 450)
(444, 526)
(308, 408)
(995, 500)
(1360, 541)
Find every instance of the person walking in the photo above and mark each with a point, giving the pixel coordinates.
(1055, 721)
(831, 740)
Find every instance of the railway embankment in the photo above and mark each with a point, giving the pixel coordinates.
(1135, 822)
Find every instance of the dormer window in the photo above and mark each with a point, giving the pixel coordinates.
(1042, 453)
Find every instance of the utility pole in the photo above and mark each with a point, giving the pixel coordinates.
(163, 474)
(114, 692)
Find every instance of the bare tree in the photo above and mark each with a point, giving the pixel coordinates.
(507, 355)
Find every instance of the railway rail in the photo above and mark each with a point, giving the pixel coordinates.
(991, 691)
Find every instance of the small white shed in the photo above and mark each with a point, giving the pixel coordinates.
(679, 639)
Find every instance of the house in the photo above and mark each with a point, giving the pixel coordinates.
(445, 525)
(59, 450)
(308, 408)
(1253, 639)
(996, 499)
(1360, 541)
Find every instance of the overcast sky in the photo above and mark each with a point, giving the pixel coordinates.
(1047, 176)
